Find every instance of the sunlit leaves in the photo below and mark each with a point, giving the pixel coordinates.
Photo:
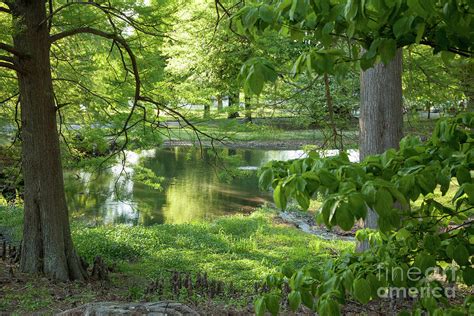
(254, 73)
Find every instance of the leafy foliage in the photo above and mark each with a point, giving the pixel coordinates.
(428, 237)
(378, 27)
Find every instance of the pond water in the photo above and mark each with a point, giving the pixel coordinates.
(192, 186)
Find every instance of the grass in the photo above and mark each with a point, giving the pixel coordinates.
(237, 249)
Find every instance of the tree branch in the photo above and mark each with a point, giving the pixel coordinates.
(9, 66)
(3, 9)
(11, 50)
(8, 59)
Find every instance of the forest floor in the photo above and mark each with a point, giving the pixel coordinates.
(230, 257)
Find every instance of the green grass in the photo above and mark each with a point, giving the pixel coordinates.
(237, 249)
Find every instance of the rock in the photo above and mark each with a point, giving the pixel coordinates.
(135, 309)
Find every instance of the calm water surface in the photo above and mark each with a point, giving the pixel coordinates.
(192, 187)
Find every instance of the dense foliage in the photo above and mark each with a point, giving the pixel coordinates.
(413, 241)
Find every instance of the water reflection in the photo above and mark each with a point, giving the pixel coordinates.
(193, 187)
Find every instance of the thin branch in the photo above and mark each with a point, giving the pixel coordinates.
(5, 10)
(11, 50)
(9, 98)
(7, 59)
(9, 66)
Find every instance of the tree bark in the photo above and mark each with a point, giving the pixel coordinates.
(47, 245)
(220, 104)
(248, 108)
(207, 111)
(330, 106)
(381, 114)
(233, 100)
(467, 75)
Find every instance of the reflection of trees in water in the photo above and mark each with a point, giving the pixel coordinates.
(192, 189)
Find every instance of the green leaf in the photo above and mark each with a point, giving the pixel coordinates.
(429, 303)
(297, 280)
(402, 26)
(272, 302)
(250, 18)
(266, 178)
(279, 197)
(307, 299)
(463, 175)
(344, 217)
(403, 234)
(303, 200)
(350, 11)
(291, 13)
(260, 306)
(266, 13)
(329, 307)
(362, 290)
(469, 190)
(383, 202)
(255, 80)
(358, 206)
(468, 276)
(420, 30)
(424, 261)
(327, 210)
(431, 243)
(415, 6)
(294, 298)
(461, 255)
(387, 50)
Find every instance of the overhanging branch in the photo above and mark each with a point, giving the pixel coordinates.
(8, 65)
(7, 59)
(5, 10)
(11, 50)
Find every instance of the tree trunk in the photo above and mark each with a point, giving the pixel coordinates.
(330, 106)
(234, 100)
(467, 75)
(220, 104)
(207, 111)
(248, 108)
(47, 245)
(381, 114)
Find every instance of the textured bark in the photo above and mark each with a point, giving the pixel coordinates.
(381, 114)
(220, 104)
(47, 245)
(248, 108)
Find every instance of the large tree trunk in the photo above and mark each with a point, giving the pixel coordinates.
(47, 245)
(381, 114)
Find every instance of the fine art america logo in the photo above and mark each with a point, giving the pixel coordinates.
(427, 282)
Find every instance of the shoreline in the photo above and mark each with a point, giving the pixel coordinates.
(254, 144)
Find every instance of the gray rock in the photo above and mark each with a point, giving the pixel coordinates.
(112, 308)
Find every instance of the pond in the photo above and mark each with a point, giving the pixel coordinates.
(189, 184)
